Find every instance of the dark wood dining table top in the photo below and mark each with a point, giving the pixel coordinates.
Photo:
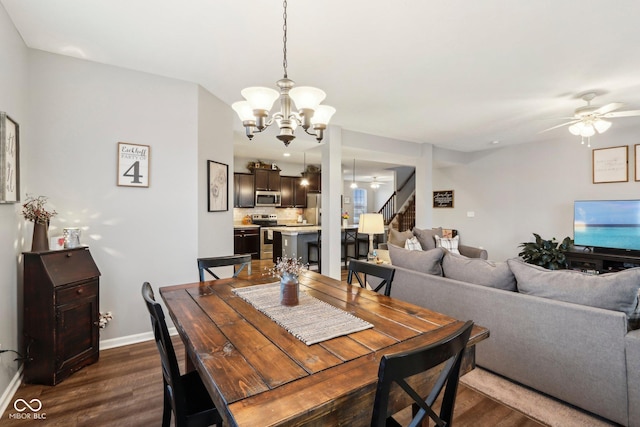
(258, 374)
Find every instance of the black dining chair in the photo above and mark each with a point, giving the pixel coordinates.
(395, 368)
(317, 245)
(184, 395)
(349, 239)
(206, 264)
(386, 273)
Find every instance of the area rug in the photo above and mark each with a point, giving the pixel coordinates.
(542, 408)
(311, 321)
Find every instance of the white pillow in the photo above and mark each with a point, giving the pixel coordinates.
(412, 244)
(448, 243)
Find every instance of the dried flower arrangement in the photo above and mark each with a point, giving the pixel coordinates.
(286, 265)
(33, 210)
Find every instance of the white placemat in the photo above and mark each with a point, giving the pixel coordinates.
(311, 321)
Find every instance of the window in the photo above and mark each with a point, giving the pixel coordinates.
(359, 203)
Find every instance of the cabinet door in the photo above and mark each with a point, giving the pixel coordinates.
(274, 180)
(243, 190)
(261, 179)
(314, 182)
(287, 191)
(300, 194)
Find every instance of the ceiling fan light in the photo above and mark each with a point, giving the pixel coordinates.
(307, 97)
(601, 125)
(588, 130)
(260, 98)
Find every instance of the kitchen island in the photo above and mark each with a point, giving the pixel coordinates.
(291, 240)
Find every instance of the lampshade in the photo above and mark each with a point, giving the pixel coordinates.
(244, 110)
(601, 125)
(371, 223)
(260, 98)
(307, 97)
(588, 130)
(322, 115)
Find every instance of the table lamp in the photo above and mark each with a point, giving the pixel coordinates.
(371, 223)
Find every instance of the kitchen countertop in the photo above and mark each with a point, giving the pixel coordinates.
(305, 229)
(246, 226)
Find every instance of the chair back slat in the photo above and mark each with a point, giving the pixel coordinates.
(385, 273)
(206, 264)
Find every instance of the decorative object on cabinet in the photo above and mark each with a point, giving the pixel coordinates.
(443, 199)
(71, 237)
(133, 165)
(33, 210)
(61, 314)
(254, 110)
(611, 164)
(217, 186)
(9, 159)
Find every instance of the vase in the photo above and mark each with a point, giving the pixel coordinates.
(40, 241)
(289, 289)
(345, 223)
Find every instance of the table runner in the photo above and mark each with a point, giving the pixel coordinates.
(311, 321)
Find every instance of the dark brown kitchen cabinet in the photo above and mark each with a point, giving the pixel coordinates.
(293, 194)
(243, 190)
(315, 181)
(61, 309)
(247, 241)
(267, 179)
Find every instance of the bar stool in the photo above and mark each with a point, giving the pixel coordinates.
(349, 239)
(317, 245)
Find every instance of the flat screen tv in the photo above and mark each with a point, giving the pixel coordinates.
(607, 224)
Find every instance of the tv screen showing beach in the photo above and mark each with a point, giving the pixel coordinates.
(611, 224)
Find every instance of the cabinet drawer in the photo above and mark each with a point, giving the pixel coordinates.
(74, 293)
(69, 266)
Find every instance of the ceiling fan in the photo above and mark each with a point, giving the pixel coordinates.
(589, 119)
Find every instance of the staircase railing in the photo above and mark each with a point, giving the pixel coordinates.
(406, 220)
(388, 210)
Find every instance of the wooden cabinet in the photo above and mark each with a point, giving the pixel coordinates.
(61, 309)
(600, 262)
(243, 190)
(293, 194)
(247, 241)
(267, 179)
(315, 181)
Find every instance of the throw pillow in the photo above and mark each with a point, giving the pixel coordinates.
(398, 237)
(611, 291)
(412, 244)
(426, 237)
(450, 244)
(423, 261)
(478, 271)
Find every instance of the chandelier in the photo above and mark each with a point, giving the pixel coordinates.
(310, 115)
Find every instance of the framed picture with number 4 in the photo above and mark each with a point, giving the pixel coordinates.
(133, 165)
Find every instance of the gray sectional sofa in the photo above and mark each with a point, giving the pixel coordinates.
(543, 332)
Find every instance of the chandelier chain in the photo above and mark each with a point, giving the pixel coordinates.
(284, 39)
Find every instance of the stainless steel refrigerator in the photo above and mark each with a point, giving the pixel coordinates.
(313, 213)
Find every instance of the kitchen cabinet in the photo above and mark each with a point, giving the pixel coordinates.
(243, 190)
(293, 194)
(61, 314)
(315, 181)
(247, 241)
(267, 179)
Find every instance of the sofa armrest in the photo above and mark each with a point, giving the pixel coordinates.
(471, 252)
(632, 347)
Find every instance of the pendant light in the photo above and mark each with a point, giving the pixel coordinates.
(353, 178)
(304, 182)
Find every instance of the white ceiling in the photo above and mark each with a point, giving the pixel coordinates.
(458, 74)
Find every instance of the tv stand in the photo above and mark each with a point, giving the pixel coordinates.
(599, 262)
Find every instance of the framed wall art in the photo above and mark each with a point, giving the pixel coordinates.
(9, 159)
(611, 164)
(133, 165)
(637, 157)
(217, 186)
(443, 199)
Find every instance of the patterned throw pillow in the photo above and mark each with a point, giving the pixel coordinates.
(412, 244)
(450, 244)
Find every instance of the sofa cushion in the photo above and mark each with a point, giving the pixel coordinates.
(398, 238)
(426, 237)
(412, 244)
(449, 243)
(611, 291)
(478, 271)
(423, 261)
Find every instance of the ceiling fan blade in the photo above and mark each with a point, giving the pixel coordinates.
(559, 126)
(608, 108)
(628, 113)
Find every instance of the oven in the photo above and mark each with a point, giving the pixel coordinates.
(266, 223)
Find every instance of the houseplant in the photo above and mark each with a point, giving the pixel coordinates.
(33, 210)
(549, 254)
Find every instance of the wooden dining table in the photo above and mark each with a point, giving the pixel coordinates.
(259, 374)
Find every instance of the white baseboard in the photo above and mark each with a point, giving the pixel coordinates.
(131, 339)
(10, 391)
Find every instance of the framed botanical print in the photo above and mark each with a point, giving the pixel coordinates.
(133, 165)
(9, 159)
(611, 164)
(217, 186)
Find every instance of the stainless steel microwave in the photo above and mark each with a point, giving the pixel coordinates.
(268, 198)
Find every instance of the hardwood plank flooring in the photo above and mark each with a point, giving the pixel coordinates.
(124, 388)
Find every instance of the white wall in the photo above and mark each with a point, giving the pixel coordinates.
(13, 87)
(530, 188)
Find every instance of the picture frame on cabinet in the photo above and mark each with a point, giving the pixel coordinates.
(133, 165)
(611, 164)
(217, 186)
(9, 159)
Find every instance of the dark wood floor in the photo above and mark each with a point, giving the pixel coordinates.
(124, 388)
